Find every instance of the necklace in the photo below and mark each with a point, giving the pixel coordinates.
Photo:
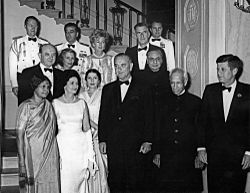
(69, 100)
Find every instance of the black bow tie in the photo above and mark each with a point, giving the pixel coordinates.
(31, 39)
(140, 49)
(153, 40)
(124, 82)
(226, 88)
(69, 45)
(48, 69)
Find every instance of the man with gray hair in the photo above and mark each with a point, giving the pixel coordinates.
(176, 144)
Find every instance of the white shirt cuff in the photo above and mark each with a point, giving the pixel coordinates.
(201, 148)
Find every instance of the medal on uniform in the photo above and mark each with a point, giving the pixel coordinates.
(162, 45)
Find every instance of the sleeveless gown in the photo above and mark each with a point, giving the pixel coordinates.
(75, 147)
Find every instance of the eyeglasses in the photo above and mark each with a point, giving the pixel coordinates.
(158, 59)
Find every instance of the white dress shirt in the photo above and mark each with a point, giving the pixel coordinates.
(167, 46)
(49, 75)
(142, 57)
(227, 99)
(124, 89)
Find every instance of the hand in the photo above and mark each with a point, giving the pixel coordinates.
(22, 176)
(145, 147)
(15, 90)
(202, 155)
(102, 147)
(157, 160)
(245, 162)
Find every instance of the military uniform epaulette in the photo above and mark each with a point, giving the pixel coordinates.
(84, 44)
(58, 44)
(17, 37)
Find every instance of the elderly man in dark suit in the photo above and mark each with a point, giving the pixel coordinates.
(47, 55)
(176, 145)
(138, 53)
(125, 132)
(224, 128)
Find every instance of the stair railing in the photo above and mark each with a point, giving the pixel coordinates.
(85, 13)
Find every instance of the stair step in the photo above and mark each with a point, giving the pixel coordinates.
(65, 21)
(31, 3)
(9, 144)
(9, 162)
(10, 189)
(52, 13)
(9, 177)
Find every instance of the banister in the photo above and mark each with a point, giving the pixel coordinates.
(95, 12)
(129, 7)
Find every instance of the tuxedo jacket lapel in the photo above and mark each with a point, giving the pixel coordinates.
(218, 99)
(127, 94)
(117, 94)
(235, 101)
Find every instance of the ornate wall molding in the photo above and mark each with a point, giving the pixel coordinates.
(190, 61)
(191, 14)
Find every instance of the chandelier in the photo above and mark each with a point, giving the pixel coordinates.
(243, 5)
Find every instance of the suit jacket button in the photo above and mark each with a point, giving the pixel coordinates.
(176, 120)
(119, 118)
(176, 142)
(176, 130)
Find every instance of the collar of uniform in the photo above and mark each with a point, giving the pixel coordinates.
(27, 37)
(72, 44)
(182, 92)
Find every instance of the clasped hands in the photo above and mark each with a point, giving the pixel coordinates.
(202, 155)
(145, 147)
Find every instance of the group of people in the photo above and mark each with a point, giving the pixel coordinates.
(89, 122)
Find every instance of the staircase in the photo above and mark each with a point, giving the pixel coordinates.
(73, 16)
(9, 161)
(9, 173)
(99, 16)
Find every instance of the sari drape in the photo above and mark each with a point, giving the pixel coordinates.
(41, 156)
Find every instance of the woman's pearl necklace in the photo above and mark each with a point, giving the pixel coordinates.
(69, 100)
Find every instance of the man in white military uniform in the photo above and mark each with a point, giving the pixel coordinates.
(167, 45)
(82, 50)
(24, 51)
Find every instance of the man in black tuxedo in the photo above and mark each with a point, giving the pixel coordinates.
(138, 53)
(47, 55)
(125, 132)
(224, 128)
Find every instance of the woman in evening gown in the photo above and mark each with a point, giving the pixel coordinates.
(92, 96)
(99, 60)
(38, 156)
(74, 137)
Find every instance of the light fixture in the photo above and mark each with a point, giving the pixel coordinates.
(243, 5)
(118, 20)
(84, 12)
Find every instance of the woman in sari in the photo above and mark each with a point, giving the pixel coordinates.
(92, 96)
(36, 141)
